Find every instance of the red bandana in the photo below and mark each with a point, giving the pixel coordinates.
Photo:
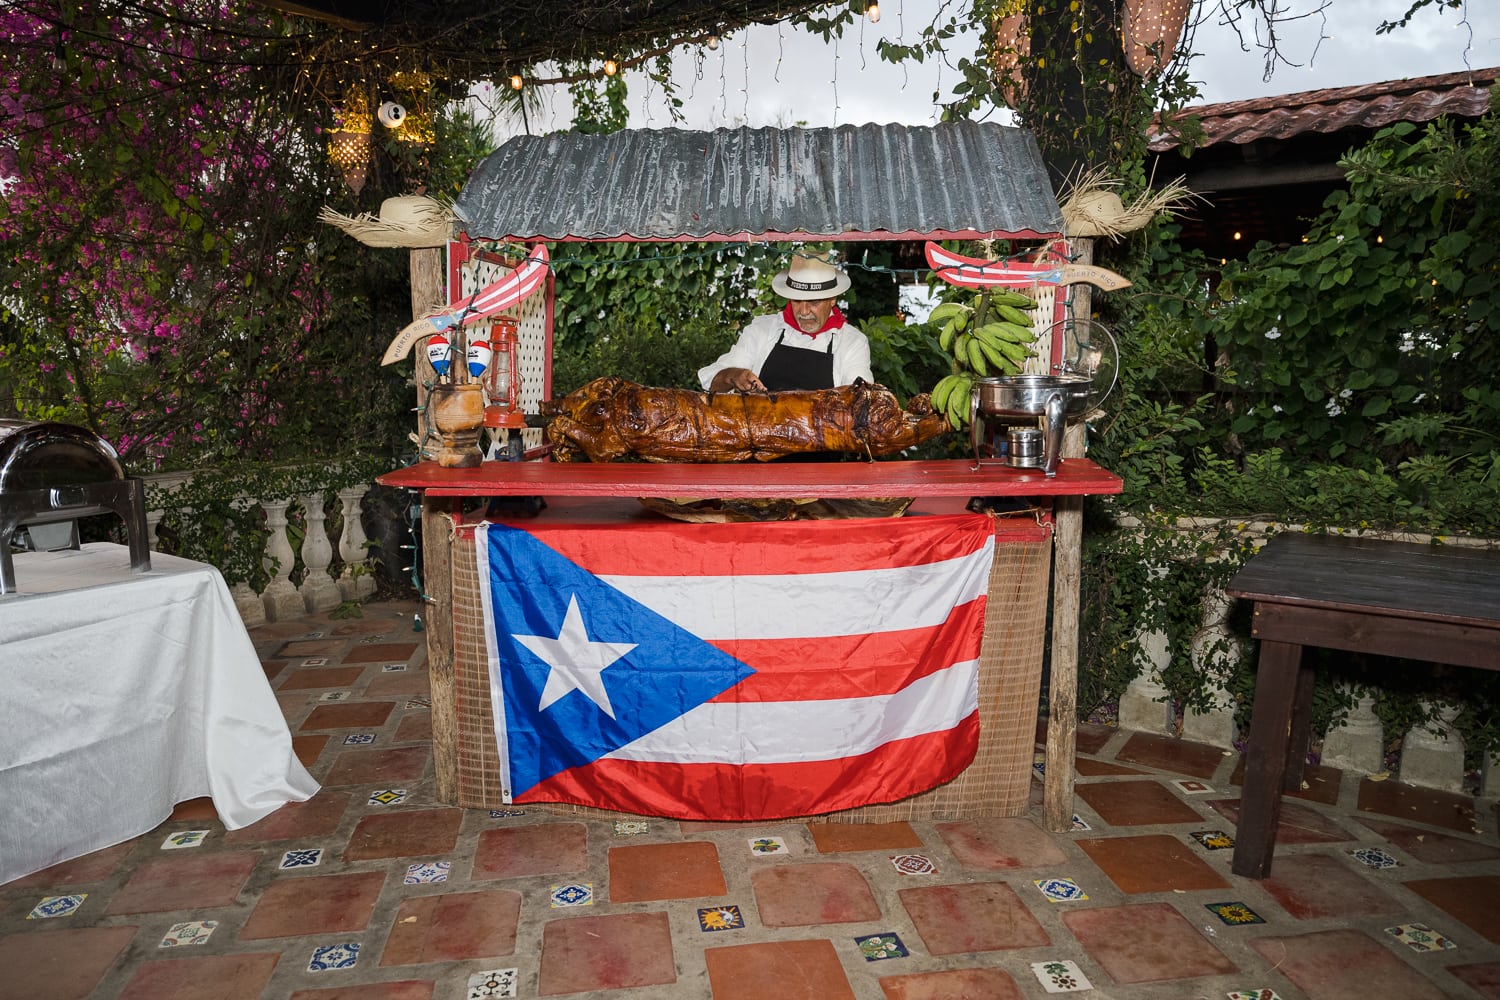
(835, 321)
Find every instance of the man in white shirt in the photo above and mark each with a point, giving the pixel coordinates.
(808, 345)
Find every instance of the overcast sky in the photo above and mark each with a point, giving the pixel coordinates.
(778, 76)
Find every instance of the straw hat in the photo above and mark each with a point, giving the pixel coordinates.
(810, 276)
(407, 221)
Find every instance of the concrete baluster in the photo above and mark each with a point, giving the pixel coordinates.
(352, 546)
(1358, 743)
(1489, 777)
(1215, 651)
(1146, 705)
(281, 598)
(153, 518)
(319, 590)
(1432, 756)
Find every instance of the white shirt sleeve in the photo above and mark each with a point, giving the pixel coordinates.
(749, 351)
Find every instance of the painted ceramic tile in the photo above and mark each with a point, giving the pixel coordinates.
(359, 739)
(315, 661)
(1213, 840)
(57, 906)
(914, 864)
(421, 701)
(1061, 890)
(631, 827)
(1420, 937)
(393, 668)
(425, 872)
(189, 933)
(388, 797)
(1061, 977)
(1039, 766)
(334, 956)
(1235, 913)
(304, 857)
(880, 946)
(768, 845)
(1374, 857)
(494, 983)
(1079, 824)
(334, 696)
(1253, 994)
(184, 838)
(720, 918)
(577, 894)
(1191, 786)
(506, 813)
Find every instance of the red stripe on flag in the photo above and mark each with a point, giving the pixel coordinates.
(766, 791)
(681, 549)
(854, 666)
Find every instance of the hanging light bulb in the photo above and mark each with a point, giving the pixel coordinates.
(611, 67)
(516, 83)
(713, 42)
(873, 13)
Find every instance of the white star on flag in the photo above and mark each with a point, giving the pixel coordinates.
(576, 663)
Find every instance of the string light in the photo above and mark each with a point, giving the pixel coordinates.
(713, 42)
(610, 67)
(873, 13)
(516, 83)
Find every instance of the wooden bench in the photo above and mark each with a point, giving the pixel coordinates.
(1431, 603)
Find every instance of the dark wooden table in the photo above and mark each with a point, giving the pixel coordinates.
(1433, 603)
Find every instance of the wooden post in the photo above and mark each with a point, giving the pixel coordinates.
(428, 291)
(1067, 556)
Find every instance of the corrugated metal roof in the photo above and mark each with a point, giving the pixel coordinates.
(958, 179)
(1367, 107)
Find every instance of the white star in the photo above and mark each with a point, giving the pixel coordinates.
(576, 663)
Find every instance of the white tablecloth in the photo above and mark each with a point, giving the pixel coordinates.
(125, 694)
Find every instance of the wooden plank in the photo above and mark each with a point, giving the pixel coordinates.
(947, 477)
(1363, 632)
(438, 518)
(1265, 758)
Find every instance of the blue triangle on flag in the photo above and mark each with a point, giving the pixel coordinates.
(668, 672)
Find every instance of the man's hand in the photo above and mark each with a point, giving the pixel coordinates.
(736, 380)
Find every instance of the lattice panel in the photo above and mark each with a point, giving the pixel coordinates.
(533, 352)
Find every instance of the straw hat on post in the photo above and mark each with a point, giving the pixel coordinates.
(411, 221)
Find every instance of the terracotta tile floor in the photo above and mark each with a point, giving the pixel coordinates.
(402, 897)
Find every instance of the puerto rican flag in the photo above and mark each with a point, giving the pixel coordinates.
(734, 671)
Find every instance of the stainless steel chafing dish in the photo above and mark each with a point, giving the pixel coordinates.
(52, 474)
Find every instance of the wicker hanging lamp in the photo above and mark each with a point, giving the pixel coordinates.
(1152, 30)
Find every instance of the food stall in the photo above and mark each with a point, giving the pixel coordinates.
(959, 180)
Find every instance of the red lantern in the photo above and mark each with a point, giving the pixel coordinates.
(502, 382)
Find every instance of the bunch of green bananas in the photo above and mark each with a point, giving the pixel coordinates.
(993, 339)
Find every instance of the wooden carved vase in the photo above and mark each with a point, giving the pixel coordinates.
(457, 413)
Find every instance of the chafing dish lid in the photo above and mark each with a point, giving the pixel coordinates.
(37, 456)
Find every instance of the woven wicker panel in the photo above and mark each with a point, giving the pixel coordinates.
(998, 783)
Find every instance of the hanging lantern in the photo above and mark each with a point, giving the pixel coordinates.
(349, 151)
(1152, 30)
(1011, 44)
(502, 382)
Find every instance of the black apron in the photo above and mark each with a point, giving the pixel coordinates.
(788, 367)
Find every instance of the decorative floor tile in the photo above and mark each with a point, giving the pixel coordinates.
(302, 857)
(914, 864)
(1039, 766)
(631, 827)
(315, 661)
(768, 845)
(494, 983)
(184, 838)
(359, 739)
(388, 797)
(875, 947)
(1191, 786)
(425, 872)
(1420, 937)
(1235, 913)
(392, 668)
(576, 894)
(720, 918)
(57, 906)
(1374, 857)
(506, 813)
(1061, 890)
(1061, 977)
(332, 957)
(334, 696)
(1079, 824)
(189, 933)
(1265, 993)
(1213, 840)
